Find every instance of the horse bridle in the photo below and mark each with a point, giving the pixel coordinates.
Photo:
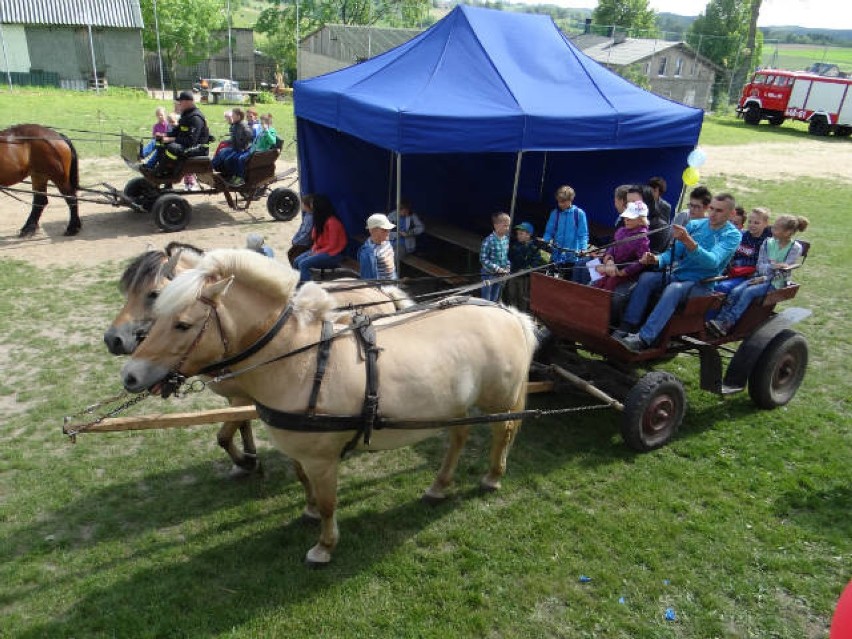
(174, 379)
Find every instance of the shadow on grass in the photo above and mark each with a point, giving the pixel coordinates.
(823, 511)
(785, 131)
(230, 584)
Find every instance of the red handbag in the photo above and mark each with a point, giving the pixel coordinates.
(741, 271)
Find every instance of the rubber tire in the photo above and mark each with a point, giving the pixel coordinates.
(653, 411)
(819, 126)
(283, 204)
(752, 115)
(776, 119)
(141, 192)
(171, 212)
(779, 370)
(842, 131)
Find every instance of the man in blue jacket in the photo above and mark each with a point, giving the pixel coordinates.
(702, 249)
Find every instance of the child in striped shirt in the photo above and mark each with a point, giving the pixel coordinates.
(376, 256)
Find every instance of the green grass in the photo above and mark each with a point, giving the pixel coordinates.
(799, 57)
(94, 121)
(741, 524)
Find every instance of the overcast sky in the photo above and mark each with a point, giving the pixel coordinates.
(824, 14)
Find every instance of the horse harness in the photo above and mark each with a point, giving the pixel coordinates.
(311, 421)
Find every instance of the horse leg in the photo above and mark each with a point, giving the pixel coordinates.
(436, 492)
(502, 436)
(39, 202)
(322, 477)
(311, 512)
(245, 461)
(74, 224)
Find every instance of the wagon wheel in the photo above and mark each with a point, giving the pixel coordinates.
(171, 212)
(282, 204)
(752, 114)
(779, 370)
(653, 411)
(141, 192)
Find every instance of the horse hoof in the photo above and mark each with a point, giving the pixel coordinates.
(318, 557)
(486, 487)
(237, 472)
(432, 500)
(28, 231)
(69, 231)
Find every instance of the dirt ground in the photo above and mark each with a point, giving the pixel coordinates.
(117, 233)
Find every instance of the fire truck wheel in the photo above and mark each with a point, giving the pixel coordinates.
(843, 131)
(776, 120)
(752, 114)
(819, 126)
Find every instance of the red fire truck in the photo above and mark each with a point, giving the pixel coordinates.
(775, 95)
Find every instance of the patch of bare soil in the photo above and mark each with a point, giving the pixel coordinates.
(118, 233)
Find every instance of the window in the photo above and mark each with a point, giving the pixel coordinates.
(678, 66)
(662, 69)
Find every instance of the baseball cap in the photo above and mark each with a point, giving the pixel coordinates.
(635, 210)
(525, 226)
(379, 221)
(186, 95)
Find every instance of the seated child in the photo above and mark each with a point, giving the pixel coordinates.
(494, 257)
(301, 242)
(376, 257)
(256, 242)
(524, 254)
(620, 265)
(744, 261)
(738, 217)
(161, 128)
(777, 254)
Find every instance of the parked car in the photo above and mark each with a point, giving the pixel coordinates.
(215, 90)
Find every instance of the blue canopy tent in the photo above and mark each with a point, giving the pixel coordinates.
(484, 111)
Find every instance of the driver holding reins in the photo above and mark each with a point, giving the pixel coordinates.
(188, 139)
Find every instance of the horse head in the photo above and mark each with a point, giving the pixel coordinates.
(208, 313)
(141, 284)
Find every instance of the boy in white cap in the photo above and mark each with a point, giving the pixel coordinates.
(376, 256)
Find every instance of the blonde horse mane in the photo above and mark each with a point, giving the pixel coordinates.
(253, 270)
(248, 267)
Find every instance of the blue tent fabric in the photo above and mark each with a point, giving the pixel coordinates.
(484, 82)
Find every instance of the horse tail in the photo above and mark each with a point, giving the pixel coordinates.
(73, 172)
(528, 328)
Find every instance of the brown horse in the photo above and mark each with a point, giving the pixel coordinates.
(433, 365)
(148, 274)
(44, 155)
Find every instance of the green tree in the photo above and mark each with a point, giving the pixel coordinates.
(722, 35)
(185, 30)
(277, 22)
(628, 15)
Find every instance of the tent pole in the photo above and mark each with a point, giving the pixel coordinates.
(398, 200)
(543, 176)
(515, 188)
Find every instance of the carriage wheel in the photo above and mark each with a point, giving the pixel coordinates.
(141, 192)
(171, 212)
(282, 204)
(779, 371)
(653, 411)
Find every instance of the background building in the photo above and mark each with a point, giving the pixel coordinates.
(61, 43)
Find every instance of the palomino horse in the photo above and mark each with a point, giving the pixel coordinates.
(431, 365)
(44, 155)
(141, 284)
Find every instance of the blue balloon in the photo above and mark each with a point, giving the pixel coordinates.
(696, 158)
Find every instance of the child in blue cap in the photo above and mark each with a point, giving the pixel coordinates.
(524, 254)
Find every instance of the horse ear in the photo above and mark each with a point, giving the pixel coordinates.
(217, 289)
(168, 269)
